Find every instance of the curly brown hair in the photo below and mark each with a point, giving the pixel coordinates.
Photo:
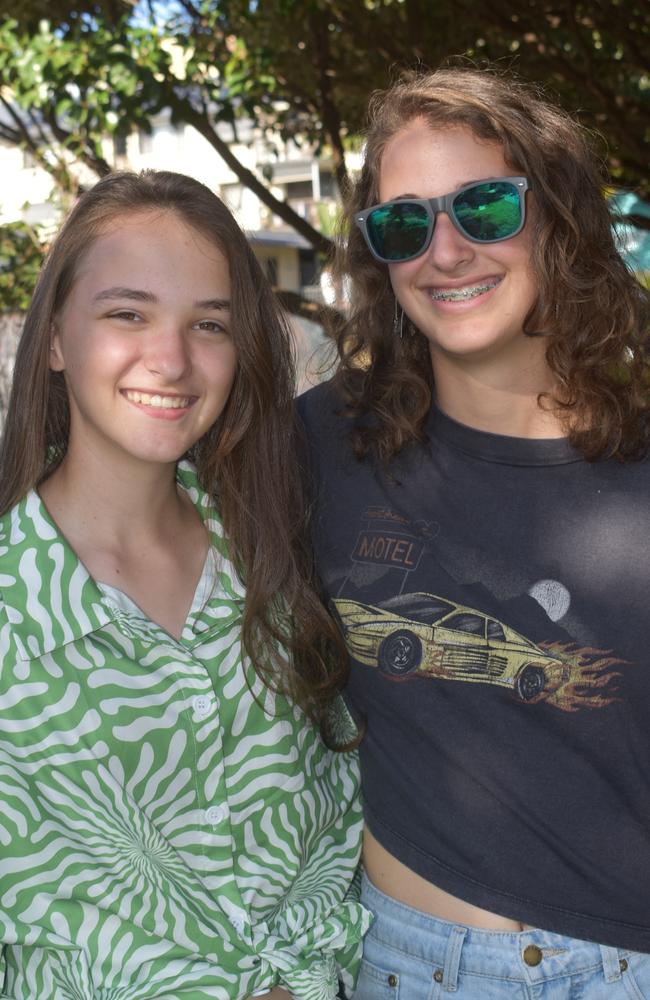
(247, 461)
(592, 311)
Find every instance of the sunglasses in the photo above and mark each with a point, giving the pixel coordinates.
(484, 212)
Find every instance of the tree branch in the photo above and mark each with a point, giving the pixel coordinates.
(201, 123)
(88, 155)
(190, 9)
(23, 138)
(329, 111)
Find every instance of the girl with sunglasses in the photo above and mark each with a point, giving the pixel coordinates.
(482, 486)
(172, 824)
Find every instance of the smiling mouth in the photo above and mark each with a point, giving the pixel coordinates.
(157, 400)
(462, 294)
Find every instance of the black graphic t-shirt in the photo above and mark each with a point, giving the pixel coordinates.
(494, 594)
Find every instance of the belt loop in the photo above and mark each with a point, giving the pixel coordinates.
(452, 958)
(611, 964)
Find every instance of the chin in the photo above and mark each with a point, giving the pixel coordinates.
(469, 343)
(159, 456)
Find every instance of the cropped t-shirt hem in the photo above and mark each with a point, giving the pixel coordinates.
(550, 918)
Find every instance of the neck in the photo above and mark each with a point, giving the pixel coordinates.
(487, 396)
(117, 507)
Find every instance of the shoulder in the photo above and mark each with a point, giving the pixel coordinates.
(324, 427)
(26, 531)
(327, 436)
(26, 540)
(326, 409)
(323, 402)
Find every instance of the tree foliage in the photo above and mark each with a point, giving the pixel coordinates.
(31, 12)
(303, 69)
(21, 254)
(593, 57)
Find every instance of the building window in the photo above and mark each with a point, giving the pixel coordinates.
(299, 190)
(308, 267)
(327, 185)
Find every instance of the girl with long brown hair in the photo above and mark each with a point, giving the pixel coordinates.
(172, 823)
(482, 482)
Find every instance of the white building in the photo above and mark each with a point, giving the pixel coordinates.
(28, 192)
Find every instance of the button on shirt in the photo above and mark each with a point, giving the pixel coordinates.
(169, 826)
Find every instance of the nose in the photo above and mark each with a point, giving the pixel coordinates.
(448, 248)
(167, 353)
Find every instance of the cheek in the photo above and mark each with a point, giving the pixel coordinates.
(524, 264)
(401, 275)
(518, 252)
(89, 352)
(523, 282)
(219, 367)
(516, 257)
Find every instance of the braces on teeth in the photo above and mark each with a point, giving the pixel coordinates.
(463, 293)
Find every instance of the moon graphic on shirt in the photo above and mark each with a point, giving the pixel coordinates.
(553, 597)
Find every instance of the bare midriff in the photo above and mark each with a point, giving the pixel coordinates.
(394, 879)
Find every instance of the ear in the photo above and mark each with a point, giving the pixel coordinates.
(57, 363)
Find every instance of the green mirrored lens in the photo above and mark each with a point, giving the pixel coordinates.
(398, 230)
(490, 211)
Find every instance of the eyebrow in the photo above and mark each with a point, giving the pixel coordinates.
(124, 293)
(417, 197)
(140, 295)
(215, 304)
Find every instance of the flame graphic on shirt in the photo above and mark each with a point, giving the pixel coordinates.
(591, 684)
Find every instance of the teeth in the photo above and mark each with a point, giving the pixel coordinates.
(162, 402)
(460, 294)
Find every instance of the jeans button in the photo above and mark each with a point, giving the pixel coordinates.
(533, 955)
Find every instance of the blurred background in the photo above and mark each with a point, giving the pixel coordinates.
(263, 101)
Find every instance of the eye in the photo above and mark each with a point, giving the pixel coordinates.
(125, 314)
(210, 326)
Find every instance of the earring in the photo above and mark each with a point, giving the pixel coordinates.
(398, 322)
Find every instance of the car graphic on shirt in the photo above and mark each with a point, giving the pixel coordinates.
(421, 633)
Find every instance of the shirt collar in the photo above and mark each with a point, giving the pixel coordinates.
(228, 579)
(49, 597)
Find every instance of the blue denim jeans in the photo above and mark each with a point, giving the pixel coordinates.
(409, 955)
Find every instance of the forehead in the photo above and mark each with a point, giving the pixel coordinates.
(154, 246)
(427, 162)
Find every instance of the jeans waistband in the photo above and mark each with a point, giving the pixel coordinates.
(532, 955)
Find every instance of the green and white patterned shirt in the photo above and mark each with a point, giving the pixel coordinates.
(169, 828)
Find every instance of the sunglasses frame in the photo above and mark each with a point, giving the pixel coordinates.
(444, 204)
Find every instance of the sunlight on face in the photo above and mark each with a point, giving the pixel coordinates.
(144, 341)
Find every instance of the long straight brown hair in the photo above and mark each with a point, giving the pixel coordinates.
(247, 461)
